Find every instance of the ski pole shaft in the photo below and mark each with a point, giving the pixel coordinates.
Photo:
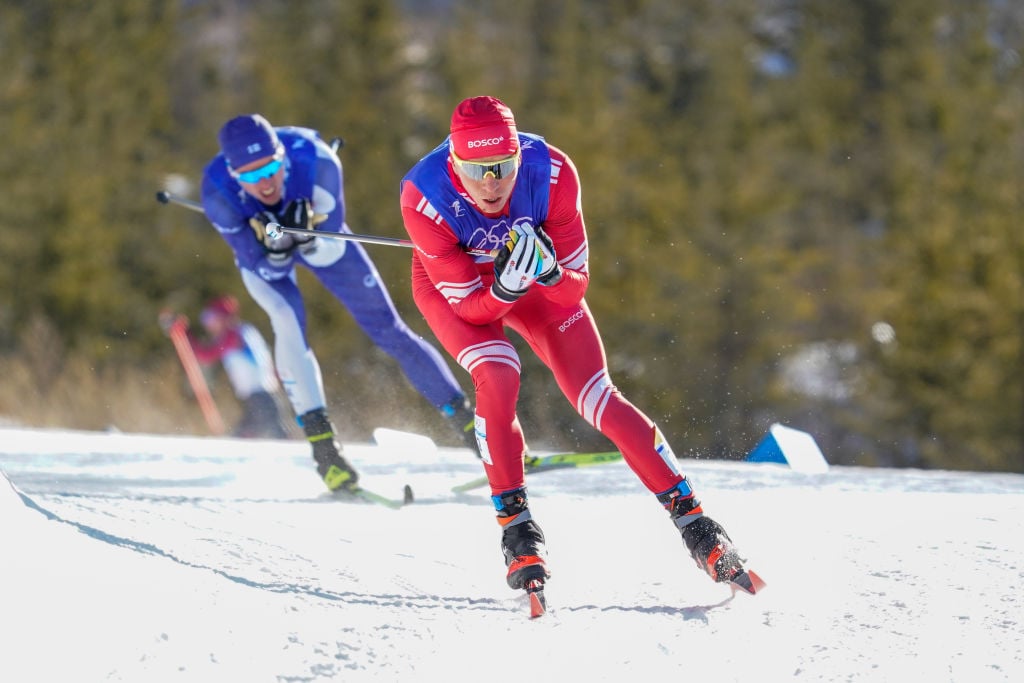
(275, 229)
(165, 197)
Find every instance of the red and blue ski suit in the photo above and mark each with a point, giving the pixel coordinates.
(452, 271)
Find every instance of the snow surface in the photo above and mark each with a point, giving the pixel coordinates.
(148, 558)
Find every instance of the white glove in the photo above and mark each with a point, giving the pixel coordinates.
(518, 264)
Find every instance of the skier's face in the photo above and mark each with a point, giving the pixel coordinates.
(214, 323)
(488, 181)
(263, 179)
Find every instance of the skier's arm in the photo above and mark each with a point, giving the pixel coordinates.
(565, 228)
(328, 200)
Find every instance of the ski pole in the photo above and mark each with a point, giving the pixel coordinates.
(275, 229)
(195, 377)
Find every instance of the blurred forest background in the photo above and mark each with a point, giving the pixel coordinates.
(799, 211)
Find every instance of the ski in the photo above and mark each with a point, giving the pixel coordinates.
(536, 463)
(543, 463)
(369, 496)
(535, 594)
(747, 581)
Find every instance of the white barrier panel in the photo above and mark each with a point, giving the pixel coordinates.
(792, 447)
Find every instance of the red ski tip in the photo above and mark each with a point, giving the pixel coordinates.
(748, 582)
(535, 592)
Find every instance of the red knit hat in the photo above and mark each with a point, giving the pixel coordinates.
(483, 127)
(219, 308)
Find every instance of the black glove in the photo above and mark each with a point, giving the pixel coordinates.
(299, 214)
(551, 271)
(277, 247)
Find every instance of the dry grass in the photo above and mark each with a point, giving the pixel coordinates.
(44, 386)
(79, 396)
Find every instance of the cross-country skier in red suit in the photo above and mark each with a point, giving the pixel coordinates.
(497, 222)
(241, 349)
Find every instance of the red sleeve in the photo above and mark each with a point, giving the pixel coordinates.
(452, 271)
(565, 227)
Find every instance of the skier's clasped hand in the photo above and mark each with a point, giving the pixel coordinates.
(518, 264)
(279, 245)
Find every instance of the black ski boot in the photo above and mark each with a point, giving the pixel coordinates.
(709, 545)
(522, 541)
(463, 421)
(333, 468)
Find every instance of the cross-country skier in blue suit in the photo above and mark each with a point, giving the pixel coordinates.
(289, 175)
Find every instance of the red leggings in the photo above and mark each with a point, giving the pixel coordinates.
(566, 339)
